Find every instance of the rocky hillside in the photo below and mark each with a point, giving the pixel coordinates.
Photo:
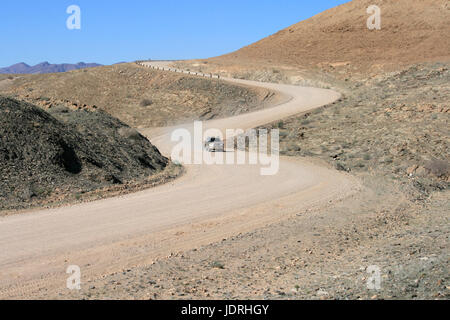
(394, 126)
(138, 96)
(67, 153)
(412, 31)
(338, 40)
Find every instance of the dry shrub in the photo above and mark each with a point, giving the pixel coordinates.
(146, 102)
(440, 168)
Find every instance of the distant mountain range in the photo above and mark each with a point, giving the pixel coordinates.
(45, 67)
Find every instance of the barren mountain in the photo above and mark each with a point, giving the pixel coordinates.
(45, 67)
(412, 31)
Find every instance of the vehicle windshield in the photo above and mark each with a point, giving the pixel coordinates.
(213, 139)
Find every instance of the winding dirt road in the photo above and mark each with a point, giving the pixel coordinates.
(209, 203)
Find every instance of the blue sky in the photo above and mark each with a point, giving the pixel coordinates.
(113, 31)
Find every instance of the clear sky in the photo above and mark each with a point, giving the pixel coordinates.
(114, 31)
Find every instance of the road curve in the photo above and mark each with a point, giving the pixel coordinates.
(209, 203)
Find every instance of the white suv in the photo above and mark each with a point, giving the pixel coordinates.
(214, 144)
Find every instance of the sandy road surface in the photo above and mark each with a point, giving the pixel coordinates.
(209, 203)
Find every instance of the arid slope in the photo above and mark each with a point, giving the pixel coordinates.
(137, 96)
(412, 31)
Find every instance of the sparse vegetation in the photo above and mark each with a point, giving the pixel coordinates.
(146, 102)
(280, 124)
(382, 126)
(217, 265)
(440, 168)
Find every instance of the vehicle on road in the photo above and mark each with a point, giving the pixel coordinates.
(214, 144)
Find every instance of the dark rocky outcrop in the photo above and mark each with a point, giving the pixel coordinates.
(42, 153)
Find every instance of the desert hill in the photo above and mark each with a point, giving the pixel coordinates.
(412, 31)
(138, 96)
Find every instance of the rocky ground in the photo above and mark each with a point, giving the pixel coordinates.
(391, 131)
(394, 125)
(138, 96)
(64, 155)
(323, 254)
